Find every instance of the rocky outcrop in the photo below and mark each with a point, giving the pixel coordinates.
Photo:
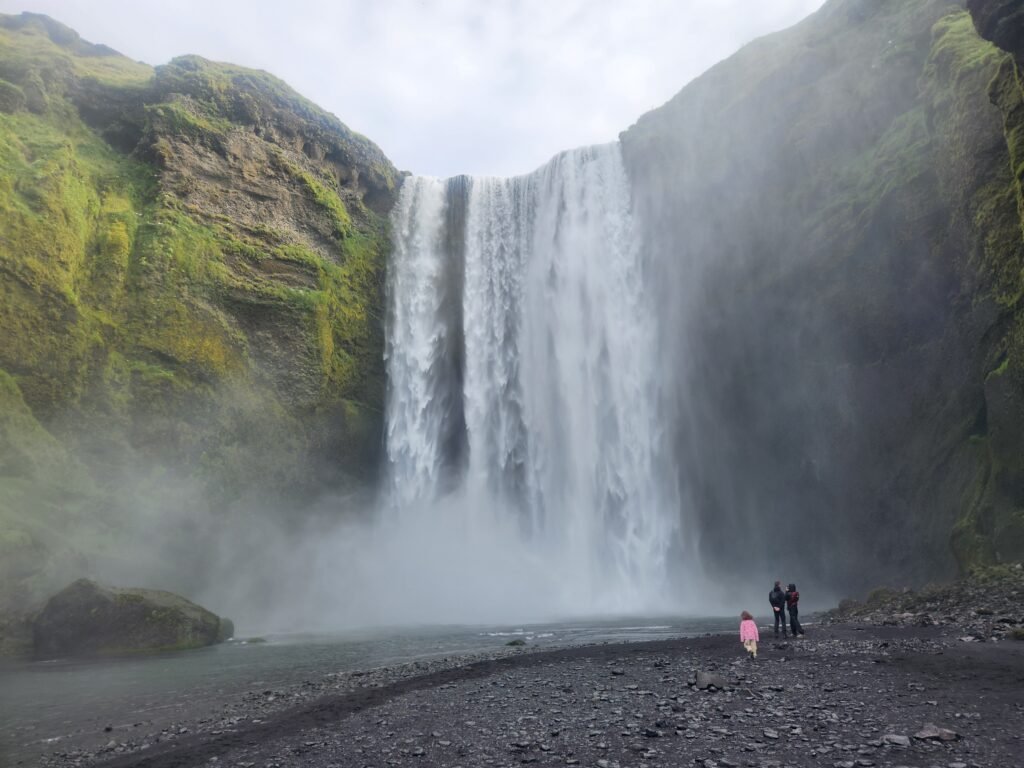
(984, 606)
(837, 232)
(1002, 22)
(87, 619)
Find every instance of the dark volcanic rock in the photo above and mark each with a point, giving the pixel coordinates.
(89, 619)
(1002, 22)
(836, 242)
(853, 696)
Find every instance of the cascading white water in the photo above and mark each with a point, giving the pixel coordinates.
(415, 337)
(550, 391)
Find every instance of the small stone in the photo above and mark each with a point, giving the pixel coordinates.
(896, 740)
(933, 732)
(705, 680)
(769, 733)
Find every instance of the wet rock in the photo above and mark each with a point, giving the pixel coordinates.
(87, 619)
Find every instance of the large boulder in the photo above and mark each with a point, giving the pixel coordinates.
(88, 619)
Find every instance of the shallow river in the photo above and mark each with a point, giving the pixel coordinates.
(45, 703)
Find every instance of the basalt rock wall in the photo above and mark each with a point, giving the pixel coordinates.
(833, 220)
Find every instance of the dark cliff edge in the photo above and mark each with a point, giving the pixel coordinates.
(836, 226)
(191, 291)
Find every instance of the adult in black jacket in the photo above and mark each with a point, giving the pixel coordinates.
(793, 603)
(778, 600)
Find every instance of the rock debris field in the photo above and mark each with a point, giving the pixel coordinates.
(843, 696)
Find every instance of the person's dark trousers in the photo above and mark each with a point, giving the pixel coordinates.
(794, 622)
(780, 620)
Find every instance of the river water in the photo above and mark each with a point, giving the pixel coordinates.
(45, 706)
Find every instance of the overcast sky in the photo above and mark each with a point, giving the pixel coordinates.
(450, 86)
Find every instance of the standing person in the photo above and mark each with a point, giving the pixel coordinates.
(778, 600)
(749, 634)
(793, 603)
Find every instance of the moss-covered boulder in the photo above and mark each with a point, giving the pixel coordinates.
(87, 619)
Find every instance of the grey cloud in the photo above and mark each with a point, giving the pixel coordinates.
(451, 87)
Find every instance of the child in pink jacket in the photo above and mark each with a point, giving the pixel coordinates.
(748, 634)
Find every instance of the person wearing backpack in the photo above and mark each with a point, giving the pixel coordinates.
(777, 598)
(793, 604)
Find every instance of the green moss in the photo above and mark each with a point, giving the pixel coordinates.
(35, 44)
(12, 97)
(177, 118)
(961, 66)
(971, 537)
(145, 336)
(1001, 368)
(861, 186)
(327, 199)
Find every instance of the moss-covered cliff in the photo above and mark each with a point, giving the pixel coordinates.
(836, 219)
(191, 271)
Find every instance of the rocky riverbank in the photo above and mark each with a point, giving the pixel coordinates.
(987, 605)
(842, 696)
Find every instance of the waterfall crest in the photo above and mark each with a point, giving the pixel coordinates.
(523, 411)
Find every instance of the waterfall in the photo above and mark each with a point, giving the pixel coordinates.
(523, 411)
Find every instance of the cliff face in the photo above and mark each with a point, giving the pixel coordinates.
(836, 231)
(191, 272)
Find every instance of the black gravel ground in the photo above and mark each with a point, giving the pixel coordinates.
(843, 695)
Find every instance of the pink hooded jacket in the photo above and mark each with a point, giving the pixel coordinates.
(748, 631)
